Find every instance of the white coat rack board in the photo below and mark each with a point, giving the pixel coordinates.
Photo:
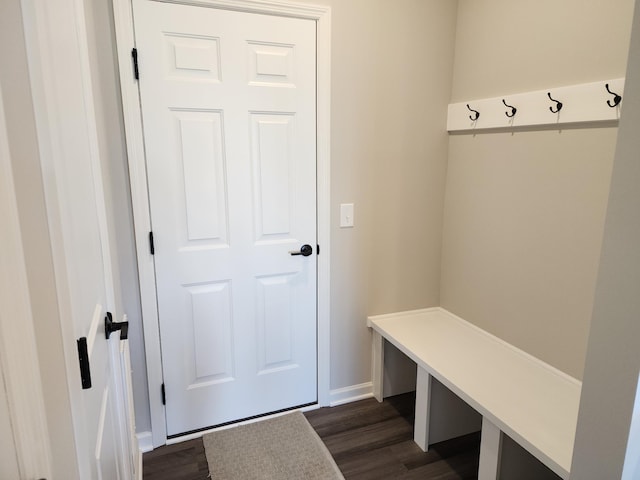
(587, 103)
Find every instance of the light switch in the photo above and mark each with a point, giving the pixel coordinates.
(346, 215)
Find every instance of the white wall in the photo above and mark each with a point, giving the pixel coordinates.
(613, 357)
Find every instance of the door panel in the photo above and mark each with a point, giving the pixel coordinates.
(228, 102)
(203, 169)
(84, 237)
(212, 328)
(84, 240)
(271, 141)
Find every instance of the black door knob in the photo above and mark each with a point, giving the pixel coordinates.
(305, 251)
(110, 326)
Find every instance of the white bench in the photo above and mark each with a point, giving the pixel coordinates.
(530, 401)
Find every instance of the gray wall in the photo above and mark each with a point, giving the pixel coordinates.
(613, 358)
(524, 212)
(391, 79)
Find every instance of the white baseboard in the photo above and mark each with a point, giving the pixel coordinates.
(350, 394)
(139, 473)
(145, 442)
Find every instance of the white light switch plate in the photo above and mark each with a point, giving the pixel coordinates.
(346, 215)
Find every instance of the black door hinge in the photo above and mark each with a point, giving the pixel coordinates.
(134, 55)
(152, 247)
(317, 249)
(83, 358)
(164, 395)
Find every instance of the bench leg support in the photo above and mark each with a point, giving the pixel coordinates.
(377, 349)
(490, 450)
(423, 396)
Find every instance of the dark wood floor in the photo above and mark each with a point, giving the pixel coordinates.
(368, 440)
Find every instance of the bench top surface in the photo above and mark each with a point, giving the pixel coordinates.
(529, 400)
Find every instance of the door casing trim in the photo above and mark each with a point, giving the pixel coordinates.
(125, 41)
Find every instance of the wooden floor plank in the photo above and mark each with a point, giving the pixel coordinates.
(373, 465)
(368, 440)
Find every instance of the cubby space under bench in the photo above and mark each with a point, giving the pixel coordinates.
(515, 393)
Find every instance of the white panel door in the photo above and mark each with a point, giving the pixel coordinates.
(228, 102)
(86, 290)
(75, 202)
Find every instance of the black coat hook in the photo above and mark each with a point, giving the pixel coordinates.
(513, 109)
(473, 117)
(558, 104)
(616, 98)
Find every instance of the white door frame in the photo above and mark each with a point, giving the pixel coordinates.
(139, 188)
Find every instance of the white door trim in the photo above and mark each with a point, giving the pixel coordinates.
(139, 188)
(18, 350)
